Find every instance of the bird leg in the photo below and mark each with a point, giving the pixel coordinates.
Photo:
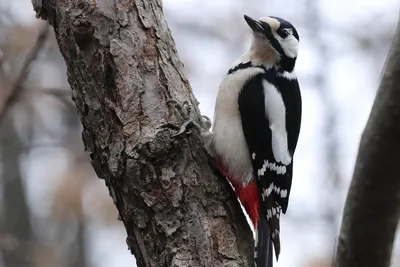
(203, 127)
(184, 110)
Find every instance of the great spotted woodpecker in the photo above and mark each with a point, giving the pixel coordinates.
(256, 127)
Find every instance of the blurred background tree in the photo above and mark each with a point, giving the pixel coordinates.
(47, 183)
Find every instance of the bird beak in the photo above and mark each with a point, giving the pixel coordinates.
(255, 25)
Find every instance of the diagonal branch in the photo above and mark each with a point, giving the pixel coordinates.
(372, 208)
(17, 86)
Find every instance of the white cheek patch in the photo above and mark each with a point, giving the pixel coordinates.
(290, 45)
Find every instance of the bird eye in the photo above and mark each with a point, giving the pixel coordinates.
(284, 33)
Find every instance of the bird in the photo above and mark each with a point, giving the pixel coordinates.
(256, 126)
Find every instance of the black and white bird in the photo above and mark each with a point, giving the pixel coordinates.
(256, 128)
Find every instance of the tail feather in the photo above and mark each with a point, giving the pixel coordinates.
(270, 255)
(263, 251)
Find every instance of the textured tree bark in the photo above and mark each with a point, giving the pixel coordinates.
(372, 208)
(128, 86)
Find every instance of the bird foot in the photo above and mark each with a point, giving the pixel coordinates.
(203, 129)
(184, 109)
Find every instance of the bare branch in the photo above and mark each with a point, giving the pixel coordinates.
(372, 209)
(17, 86)
(62, 95)
(56, 92)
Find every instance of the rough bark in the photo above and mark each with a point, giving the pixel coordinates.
(128, 86)
(372, 208)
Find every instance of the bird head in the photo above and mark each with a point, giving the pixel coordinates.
(275, 39)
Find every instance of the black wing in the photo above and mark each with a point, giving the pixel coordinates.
(273, 178)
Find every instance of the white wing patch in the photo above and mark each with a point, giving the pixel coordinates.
(276, 113)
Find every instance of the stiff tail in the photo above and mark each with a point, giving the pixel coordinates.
(263, 251)
(266, 240)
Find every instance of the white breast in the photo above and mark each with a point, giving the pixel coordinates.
(229, 140)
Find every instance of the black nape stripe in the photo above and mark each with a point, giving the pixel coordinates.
(286, 64)
(246, 65)
(240, 67)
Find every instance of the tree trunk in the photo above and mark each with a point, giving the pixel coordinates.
(15, 228)
(129, 87)
(372, 208)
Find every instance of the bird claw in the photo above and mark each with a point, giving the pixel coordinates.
(184, 128)
(203, 128)
(206, 136)
(184, 109)
(206, 122)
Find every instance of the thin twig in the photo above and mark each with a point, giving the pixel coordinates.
(64, 96)
(56, 92)
(17, 86)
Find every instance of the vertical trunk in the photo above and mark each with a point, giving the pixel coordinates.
(16, 226)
